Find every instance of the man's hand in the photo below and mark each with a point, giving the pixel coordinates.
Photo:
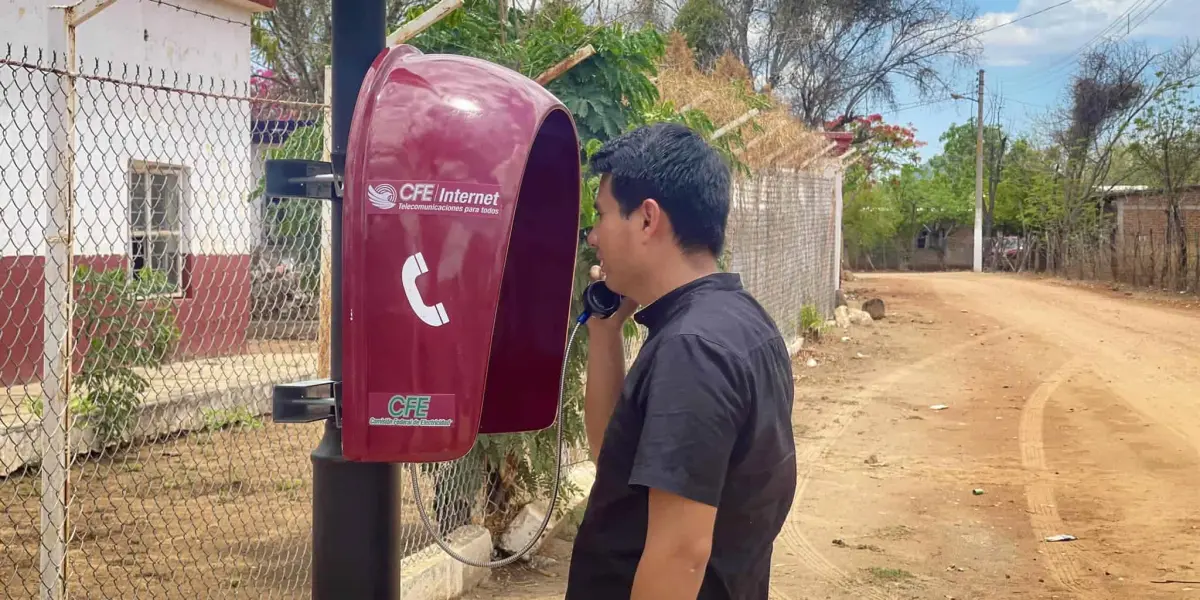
(626, 310)
(678, 544)
(605, 370)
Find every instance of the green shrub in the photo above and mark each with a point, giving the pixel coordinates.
(124, 325)
(812, 324)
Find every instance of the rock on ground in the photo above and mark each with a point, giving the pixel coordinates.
(841, 315)
(875, 308)
(859, 317)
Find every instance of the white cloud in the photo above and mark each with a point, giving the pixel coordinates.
(1061, 31)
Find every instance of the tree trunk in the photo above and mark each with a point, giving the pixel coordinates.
(1177, 234)
(1114, 257)
(1153, 256)
(1196, 284)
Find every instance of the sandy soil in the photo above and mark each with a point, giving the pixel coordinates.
(1072, 411)
(210, 514)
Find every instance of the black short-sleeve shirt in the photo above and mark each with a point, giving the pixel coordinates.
(705, 413)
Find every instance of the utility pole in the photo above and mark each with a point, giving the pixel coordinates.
(978, 258)
(355, 505)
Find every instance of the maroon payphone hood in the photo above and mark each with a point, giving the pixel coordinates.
(460, 234)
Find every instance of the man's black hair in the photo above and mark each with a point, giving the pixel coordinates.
(676, 167)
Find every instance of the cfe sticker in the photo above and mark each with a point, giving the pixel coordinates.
(433, 198)
(410, 410)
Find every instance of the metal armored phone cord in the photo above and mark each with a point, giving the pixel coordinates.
(562, 378)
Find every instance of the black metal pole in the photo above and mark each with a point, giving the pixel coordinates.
(355, 505)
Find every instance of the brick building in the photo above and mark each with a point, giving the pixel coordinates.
(1142, 211)
(1139, 252)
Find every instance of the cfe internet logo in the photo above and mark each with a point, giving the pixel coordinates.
(413, 410)
(434, 198)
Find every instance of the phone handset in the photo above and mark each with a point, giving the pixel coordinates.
(599, 301)
(434, 316)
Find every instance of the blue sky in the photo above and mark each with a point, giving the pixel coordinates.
(1029, 63)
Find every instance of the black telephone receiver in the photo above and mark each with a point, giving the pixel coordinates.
(599, 301)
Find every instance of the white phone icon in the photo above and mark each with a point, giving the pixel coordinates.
(434, 316)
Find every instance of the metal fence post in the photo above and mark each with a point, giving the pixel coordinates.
(58, 311)
(325, 311)
(838, 208)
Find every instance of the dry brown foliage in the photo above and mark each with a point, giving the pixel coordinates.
(772, 138)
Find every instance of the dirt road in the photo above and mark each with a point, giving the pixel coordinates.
(1070, 411)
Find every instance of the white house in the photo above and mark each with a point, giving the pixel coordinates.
(162, 161)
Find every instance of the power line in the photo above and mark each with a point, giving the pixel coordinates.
(1022, 18)
(905, 107)
(1145, 9)
(975, 35)
(1141, 10)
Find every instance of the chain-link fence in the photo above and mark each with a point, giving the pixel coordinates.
(137, 454)
(781, 239)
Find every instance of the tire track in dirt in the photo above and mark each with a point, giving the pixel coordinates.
(1062, 559)
(791, 538)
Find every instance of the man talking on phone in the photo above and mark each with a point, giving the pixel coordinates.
(695, 457)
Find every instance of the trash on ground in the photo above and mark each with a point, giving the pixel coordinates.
(977, 491)
(939, 407)
(812, 362)
(1061, 538)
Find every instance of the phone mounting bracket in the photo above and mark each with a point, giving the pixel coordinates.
(313, 399)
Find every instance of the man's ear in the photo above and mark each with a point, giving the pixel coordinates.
(652, 215)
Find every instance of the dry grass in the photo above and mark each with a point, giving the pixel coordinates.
(771, 139)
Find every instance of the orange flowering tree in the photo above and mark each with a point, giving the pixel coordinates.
(884, 147)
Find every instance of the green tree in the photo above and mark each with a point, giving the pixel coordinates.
(957, 163)
(877, 186)
(1167, 145)
(706, 27)
(869, 217)
(924, 199)
(1028, 199)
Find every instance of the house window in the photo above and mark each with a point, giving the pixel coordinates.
(156, 198)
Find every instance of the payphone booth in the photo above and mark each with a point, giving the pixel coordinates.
(461, 211)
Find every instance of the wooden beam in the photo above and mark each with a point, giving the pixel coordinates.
(763, 137)
(565, 65)
(732, 125)
(697, 102)
(325, 308)
(427, 19)
(780, 152)
(87, 9)
(823, 152)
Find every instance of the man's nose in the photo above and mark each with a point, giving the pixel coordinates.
(589, 236)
